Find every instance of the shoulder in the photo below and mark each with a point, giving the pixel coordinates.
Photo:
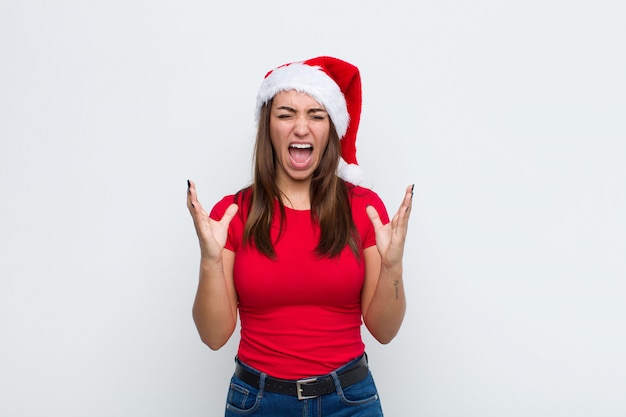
(361, 197)
(241, 198)
(220, 207)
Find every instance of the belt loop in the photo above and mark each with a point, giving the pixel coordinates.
(337, 382)
(262, 384)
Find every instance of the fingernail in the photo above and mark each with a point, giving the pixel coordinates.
(412, 187)
(188, 185)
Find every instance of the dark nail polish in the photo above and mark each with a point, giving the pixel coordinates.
(412, 188)
(188, 185)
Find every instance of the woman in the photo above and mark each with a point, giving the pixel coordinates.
(304, 255)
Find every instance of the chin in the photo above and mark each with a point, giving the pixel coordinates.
(301, 177)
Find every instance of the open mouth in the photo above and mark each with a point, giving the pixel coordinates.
(300, 152)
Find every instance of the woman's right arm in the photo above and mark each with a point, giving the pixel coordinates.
(215, 305)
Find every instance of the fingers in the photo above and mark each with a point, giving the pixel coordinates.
(195, 208)
(400, 221)
(229, 214)
(192, 197)
(374, 217)
(401, 217)
(199, 216)
(190, 194)
(407, 203)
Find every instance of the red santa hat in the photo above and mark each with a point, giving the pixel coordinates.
(336, 85)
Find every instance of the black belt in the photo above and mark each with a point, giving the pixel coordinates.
(308, 387)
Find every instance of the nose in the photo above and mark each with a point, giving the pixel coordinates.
(302, 126)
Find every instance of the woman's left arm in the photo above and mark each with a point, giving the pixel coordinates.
(383, 302)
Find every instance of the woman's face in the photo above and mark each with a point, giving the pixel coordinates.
(299, 130)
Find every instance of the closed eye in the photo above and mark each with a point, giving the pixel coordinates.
(285, 112)
(317, 114)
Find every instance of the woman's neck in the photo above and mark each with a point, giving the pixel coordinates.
(296, 195)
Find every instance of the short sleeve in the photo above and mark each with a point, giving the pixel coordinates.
(362, 198)
(235, 230)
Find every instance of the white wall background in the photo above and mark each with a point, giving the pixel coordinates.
(509, 116)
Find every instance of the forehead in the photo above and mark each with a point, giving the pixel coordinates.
(295, 99)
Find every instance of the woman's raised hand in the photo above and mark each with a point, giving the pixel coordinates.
(390, 237)
(212, 234)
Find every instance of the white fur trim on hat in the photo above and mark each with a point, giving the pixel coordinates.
(311, 80)
(351, 173)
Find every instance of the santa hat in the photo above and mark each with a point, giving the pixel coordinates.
(336, 85)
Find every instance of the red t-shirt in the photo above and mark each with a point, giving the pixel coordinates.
(300, 313)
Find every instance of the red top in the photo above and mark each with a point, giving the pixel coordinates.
(300, 314)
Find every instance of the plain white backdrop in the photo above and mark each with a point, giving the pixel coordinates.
(507, 115)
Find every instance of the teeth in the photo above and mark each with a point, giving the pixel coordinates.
(301, 145)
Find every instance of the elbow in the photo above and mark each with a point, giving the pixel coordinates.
(384, 341)
(213, 344)
(215, 337)
(383, 335)
(214, 341)
(384, 331)
(384, 338)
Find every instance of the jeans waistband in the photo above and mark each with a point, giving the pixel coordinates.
(308, 387)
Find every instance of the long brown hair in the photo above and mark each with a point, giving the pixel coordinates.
(330, 205)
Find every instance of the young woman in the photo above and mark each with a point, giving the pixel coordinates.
(304, 255)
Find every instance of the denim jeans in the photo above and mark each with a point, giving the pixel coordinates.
(357, 400)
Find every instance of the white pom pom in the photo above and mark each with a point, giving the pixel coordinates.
(351, 173)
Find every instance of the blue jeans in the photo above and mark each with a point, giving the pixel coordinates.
(357, 400)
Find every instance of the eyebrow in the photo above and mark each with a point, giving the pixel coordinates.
(309, 111)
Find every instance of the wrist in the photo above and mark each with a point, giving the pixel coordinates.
(210, 262)
(391, 270)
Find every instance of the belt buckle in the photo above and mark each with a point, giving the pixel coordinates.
(299, 388)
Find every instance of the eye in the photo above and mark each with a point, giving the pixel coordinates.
(283, 115)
